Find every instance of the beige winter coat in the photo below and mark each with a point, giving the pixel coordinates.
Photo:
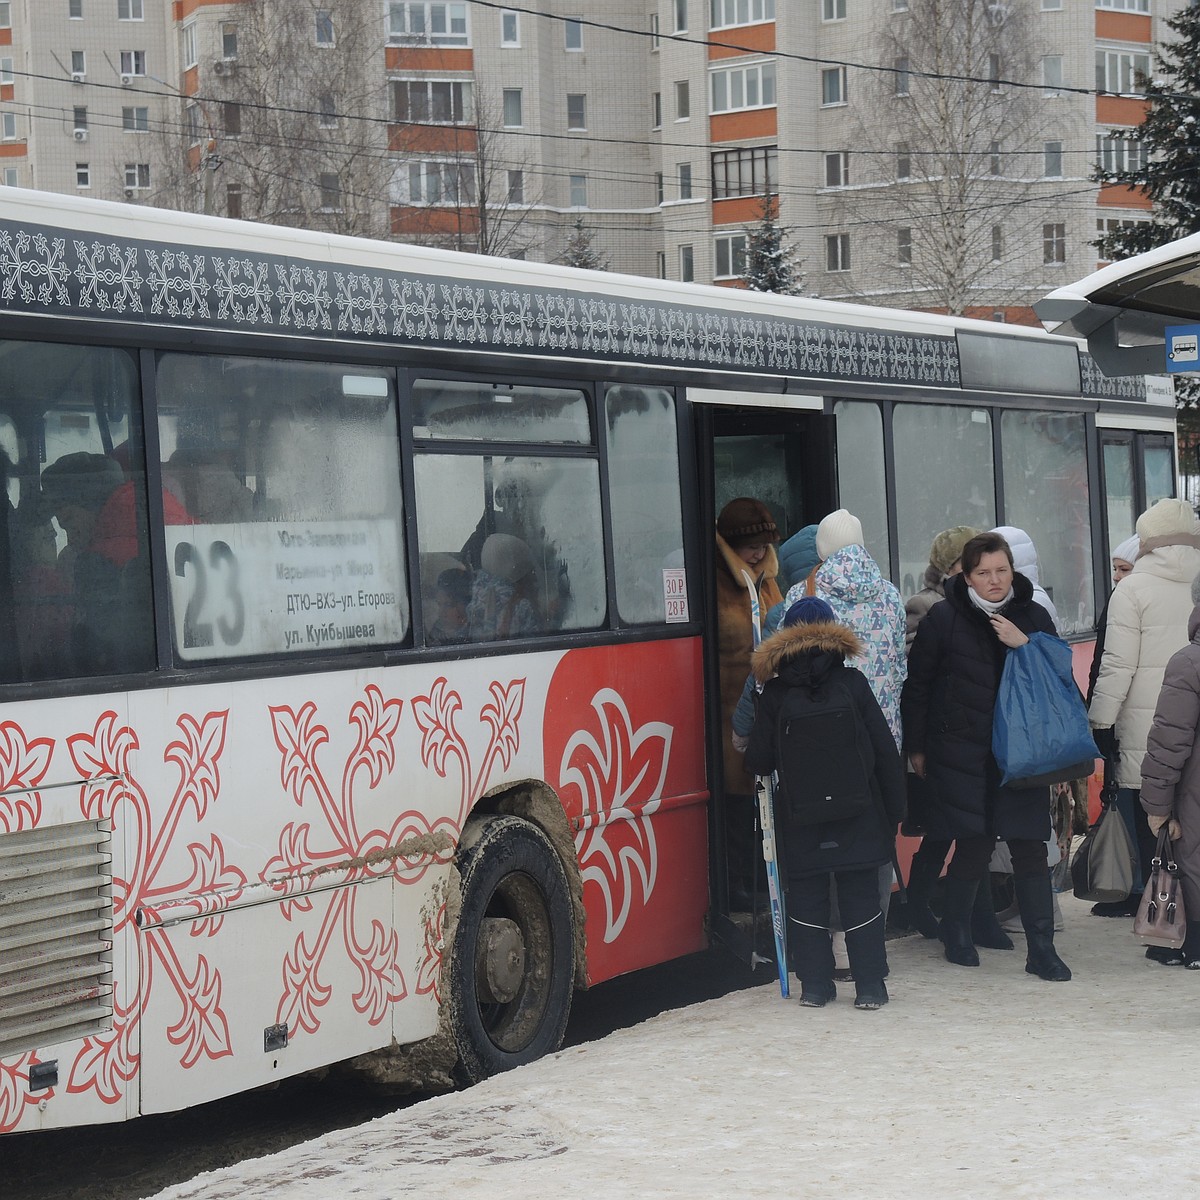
(1147, 623)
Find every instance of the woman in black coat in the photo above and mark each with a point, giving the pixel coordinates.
(954, 671)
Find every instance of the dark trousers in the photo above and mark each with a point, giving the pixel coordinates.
(808, 903)
(1129, 805)
(972, 855)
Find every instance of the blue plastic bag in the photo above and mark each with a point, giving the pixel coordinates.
(1040, 732)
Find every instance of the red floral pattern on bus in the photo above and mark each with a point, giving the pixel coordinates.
(23, 765)
(14, 1090)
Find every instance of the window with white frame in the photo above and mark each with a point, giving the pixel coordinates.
(747, 171)
(573, 34)
(130, 10)
(135, 119)
(730, 255)
(1052, 160)
(660, 190)
(331, 191)
(75, 10)
(1052, 5)
(577, 185)
(514, 118)
(684, 175)
(899, 5)
(137, 176)
(432, 181)
(6, 70)
(1054, 243)
(83, 175)
(724, 13)
(323, 27)
(1110, 225)
(1137, 6)
(188, 45)
(516, 186)
(1122, 72)
(78, 62)
(327, 117)
(12, 177)
(660, 264)
(995, 72)
(736, 88)
(432, 101)
(681, 16)
(1117, 153)
(576, 110)
(903, 161)
(837, 169)
(683, 100)
(133, 62)
(904, 246)
(655, 44)
(997, 243)
(510, 27)
(837, 252)
(419, 23)
(687, 264)
(8, 127)
(833, 10)
(656, 110)
(233, 201)
(833, 86)
(80, 117)
(229, 40)
(900, 75)
(5, 14)
(994, 163)
(1052, 74)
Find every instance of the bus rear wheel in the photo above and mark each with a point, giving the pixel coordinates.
(512, 964)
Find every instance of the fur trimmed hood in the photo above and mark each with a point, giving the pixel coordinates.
(788, 643)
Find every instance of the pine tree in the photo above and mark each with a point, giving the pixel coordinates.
(770, 262)
(1169, 141)
(579, 252)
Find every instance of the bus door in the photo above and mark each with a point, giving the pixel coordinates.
(785, 458)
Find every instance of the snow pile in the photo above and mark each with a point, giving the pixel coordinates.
(973, 1082)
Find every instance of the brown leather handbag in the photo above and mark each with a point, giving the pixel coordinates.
(1161, 919)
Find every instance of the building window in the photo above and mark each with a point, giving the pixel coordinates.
(75, 10)
(683, 100)
(136, 119)
(1122, 72)
(903, 161)
(434, 182)
(513, 117)
(899, 5)
(194, 123)
(1052, 160)
(516, 187)
(997, 243)
(900, 72)
(837, 252)
(578, 188)
(130, 10)
(995, 71)
(1137, 6)
(660, 193)
(833, 10)
(687, 264)
(684, 171)
(904, 246)
(231, 118)
(323, 27)
(572, 34)
(331, 191)
(510, 28)
(660, 264)
(6, 70)
(83, 175)
(724, 13)
(994, 155)
(837, 169)
(133, 62)
(1117, 153)
(1056, 5)
(681, 16)
(78, 62)
(233, 201)
(326, 111)
(5, 14)
(229, 40)
(80, 115)
(1110, 225)
(436, 101)
(576, 110)
(739, 88)
(731, 256)
(655, 44)
(1054, 243)
(745, 172)
(137, 176)
(1052, 74)
(425, 24)
(187, 39)
(8, 127)
(12, 177)
(833, 86)
(656, 110)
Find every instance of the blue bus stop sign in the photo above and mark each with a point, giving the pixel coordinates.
(1183, 348)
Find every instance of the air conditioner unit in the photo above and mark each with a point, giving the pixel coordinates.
(222, 67)
(81, 135)
(129, 193)
(126, 80)
(78, 76)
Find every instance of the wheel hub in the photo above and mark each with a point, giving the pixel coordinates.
(501, 961)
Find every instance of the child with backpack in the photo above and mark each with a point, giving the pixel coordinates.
(840, 797)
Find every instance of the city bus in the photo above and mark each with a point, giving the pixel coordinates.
(357, 647)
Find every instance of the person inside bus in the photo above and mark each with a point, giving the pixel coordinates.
(503, 601)
(451, 599)
(746, 534)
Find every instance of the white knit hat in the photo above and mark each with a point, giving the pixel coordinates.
(1127, 551)
(838, 530)
(1167, 517)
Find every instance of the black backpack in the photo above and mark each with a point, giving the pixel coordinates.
(823, 753)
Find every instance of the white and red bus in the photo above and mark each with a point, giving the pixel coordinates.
(356, 623)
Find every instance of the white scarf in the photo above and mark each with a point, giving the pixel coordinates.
(989, 606)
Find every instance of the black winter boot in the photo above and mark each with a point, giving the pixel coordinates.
(956, 921)
(1036, 903)
(922, 878)
(985, 929)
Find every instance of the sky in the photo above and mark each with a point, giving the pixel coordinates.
(973, 1082)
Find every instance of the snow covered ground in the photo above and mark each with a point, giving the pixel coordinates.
(972, 1083)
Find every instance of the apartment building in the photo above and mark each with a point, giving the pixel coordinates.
(649, 128)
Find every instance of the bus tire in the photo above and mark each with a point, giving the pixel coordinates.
(512, 964)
